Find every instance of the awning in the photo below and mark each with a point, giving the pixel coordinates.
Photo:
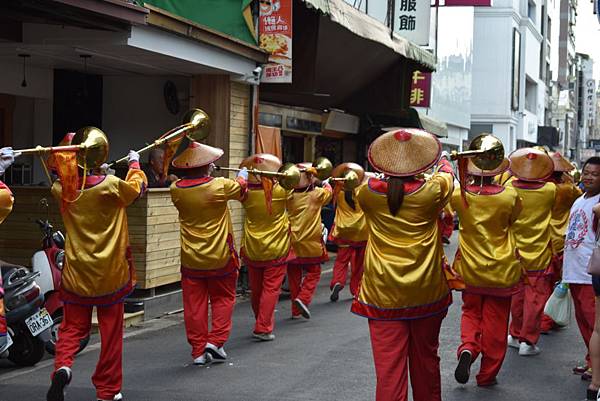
(436, 127)
(369, 28)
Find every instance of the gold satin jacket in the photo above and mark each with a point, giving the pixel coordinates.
(349, 225)
(403, 270)
(304, 211)
(266, 239)
(566, 194)
(206, 230)
(6, 201)
(532, 227)
(486, 257)
(98, 269)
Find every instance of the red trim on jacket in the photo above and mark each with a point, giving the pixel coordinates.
(108, 299)
(492, 291)
(135, 165)
(4, 186)
(316, 260)
(282, 261)
(192, 182)
(445, 166)
(408, 313)
(487, 189)
(381, 186)
(347, 242)
(523, 184)
(232, 265)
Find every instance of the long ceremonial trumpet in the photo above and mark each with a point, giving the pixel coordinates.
(350, 179)
(288, 175)
(196, 126)
(321, 168)
(486, 152)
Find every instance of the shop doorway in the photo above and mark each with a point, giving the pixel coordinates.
(293, 148)
(331, 148)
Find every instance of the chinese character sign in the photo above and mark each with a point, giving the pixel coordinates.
(420, 89)
(412, 20)
(275, 36)
(590, 100)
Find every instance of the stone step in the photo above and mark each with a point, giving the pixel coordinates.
(129, 319)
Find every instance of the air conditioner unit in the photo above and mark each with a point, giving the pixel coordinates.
(341, 122)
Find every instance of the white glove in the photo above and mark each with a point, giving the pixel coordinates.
(446, 155)
(7, 158)
(325, 182)
(243, 173)
(105, 169)
(133, 156)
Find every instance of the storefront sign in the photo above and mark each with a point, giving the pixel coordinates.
(590, 100)
(467, 3)
(275, 36)
(420, 89)
(412, 20)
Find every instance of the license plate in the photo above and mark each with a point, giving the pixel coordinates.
(39, 322)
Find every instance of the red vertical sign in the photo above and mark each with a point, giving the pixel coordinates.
(275, 36)
(420, 89)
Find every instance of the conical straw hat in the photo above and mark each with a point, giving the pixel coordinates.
(340, 169)
(531, 164)
(560, 162)
(261, 161)
(404, 152)
(197, 155)
(472, 169)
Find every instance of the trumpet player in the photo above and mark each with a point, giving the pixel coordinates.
(349, 232)
(7, 157)
(98, 272)
(304, 210)
(531, 168)
(486, 261)
(266, 245)
(209, 262)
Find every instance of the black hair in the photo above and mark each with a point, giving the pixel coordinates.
(349, 198)
(395, 194)
(595, 160)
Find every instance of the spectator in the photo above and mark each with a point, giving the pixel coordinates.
(579, 243)
(154, 170)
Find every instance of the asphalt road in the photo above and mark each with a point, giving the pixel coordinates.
(325, 358)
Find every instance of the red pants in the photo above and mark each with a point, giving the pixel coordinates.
(403, 346)
(483, 330)
(583, 300)
(265, 284)
(76, 325)
(353, 256)
(446, 224)
(300, 288)
(197, 293)
(527, 309)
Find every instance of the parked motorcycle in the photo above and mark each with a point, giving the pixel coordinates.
(48, 262)
(28, 323)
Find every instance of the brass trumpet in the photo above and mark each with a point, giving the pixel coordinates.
(350, 179)
(486, 152)
(196, 126)
(321, 168)
(90, 143)
(288, 175)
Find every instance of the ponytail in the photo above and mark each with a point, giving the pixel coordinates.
(349, 198)
(395, 194)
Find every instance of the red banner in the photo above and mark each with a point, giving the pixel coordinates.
(420, 89)
(468, 3)
(275, 36)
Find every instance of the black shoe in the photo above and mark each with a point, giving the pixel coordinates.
(445, 240)
(303, 308)
(592, 395)
(62, 377)
(463, 370)
(335, 292)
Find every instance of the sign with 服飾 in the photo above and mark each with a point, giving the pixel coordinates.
(420, 89)
(275, 37)
(468, 3)
(412, 20)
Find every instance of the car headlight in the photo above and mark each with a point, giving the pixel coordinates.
(59, 259)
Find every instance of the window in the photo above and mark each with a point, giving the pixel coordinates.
(478, 129)
(531, 9)
(530, 96)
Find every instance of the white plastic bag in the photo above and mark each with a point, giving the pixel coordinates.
(559, 306)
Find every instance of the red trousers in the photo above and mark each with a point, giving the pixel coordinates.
(401, 347)
(483, 330)
(446, 224)
(76, 325)
(527, 308)
(303, 288)
(353, 256)
(197, 293)
(265, 284)
(583, 300)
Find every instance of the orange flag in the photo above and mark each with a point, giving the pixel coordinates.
(462, 178)
(337, 188)
(267, 184)
(170, 150)
(66, 168)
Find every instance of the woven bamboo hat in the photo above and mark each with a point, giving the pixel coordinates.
(404, 152)
(560, 162)
(472, 169)
(260, 161)
(531, 164)
(197, 155)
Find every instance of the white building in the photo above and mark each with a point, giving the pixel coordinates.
(508, 87)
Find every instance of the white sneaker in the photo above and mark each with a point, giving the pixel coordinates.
(217, 354)
(60, 380)
(528, 350)
(202, 359)
(513, 342)
(118, 397)
(303, 308)
(264, 336)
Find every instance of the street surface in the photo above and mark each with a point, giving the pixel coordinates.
(325, 358)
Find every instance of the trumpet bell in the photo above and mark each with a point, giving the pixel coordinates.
(490, 152)
(290, 176)
(351, 180)
(323, 166)
(94, 147)
(200, 122)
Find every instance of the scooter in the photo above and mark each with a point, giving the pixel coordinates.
(48, 262)
(28, 323)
